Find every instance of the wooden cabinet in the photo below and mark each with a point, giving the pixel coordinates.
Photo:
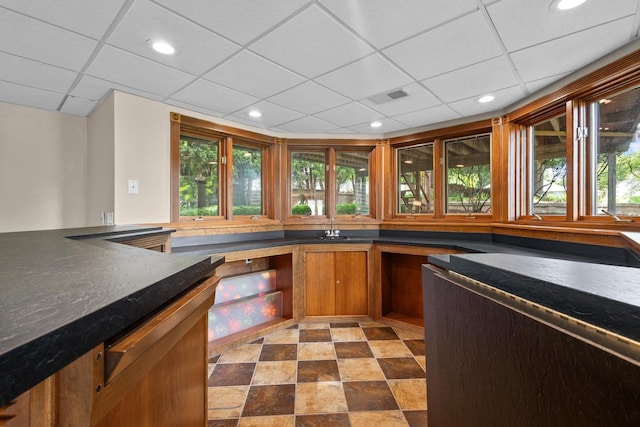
(336, 283)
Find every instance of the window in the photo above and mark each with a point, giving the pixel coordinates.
(415, 179)
(468, 174)
(216, 172)
(548, 168)
(615, 165)
(331, 181)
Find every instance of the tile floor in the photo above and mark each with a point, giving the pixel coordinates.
(322, 374)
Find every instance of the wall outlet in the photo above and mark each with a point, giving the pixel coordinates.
(133, 186)
(108, 218)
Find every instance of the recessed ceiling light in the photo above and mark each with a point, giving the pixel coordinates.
(486, 98)
(162, 47)
(565, 4)
(255, 113)
(375, 124)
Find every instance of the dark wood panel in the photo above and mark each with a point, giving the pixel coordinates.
(492, 366)
(320, 283)
(351, 283)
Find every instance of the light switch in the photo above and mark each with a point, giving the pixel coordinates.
(133, 186)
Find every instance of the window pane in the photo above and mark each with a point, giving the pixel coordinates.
(617, 168)
(199, 195)
(307, 183)
(247, 181)
(352, 176)
(415, 179)
(469, 174)
(549, 167)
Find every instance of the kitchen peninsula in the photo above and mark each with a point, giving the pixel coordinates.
(86, 317)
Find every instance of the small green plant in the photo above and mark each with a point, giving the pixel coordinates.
(301, 210)
(346, 209)
(247, 210)
(208, 211)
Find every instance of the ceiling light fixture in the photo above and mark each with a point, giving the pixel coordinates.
(565, 4)
(485, 99)
(162, 47)
(375, 124)
(255, 113)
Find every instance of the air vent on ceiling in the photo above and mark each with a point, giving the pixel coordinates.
(381, 98)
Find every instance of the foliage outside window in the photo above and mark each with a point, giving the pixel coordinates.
(247, 180)
(616, 164)
(468, 174)
(308, 183)
(549, 167)
(352, 182)
(415, 179)
(199, 176)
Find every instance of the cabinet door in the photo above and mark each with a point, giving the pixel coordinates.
(351, 283)
(320, 283)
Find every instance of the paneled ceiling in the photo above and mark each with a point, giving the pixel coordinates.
(310, 67)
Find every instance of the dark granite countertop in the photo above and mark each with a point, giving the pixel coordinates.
(62, 292)
(603, 295)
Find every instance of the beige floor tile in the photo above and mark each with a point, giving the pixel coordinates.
(320, 398)
(360, 370)
(226, 402)
(313, 325)
(389, 348)
(378, 418)
(410, 394)
(347, 334)
(280, 372)
(372, 324)
(244, 353)
(316, 351)
(210, 368)
(286, 336)
(422, 361)
(276, 420)
(408, 335)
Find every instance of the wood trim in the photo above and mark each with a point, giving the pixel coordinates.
(456, 131)
(326, 143)
(174, 193)
(222, 129)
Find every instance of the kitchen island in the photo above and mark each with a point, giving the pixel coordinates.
(71, 298)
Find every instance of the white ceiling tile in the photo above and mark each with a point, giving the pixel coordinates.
(78, 106)
(215, 97)
(478, 79)
(191, 107)
(569, 53)
(241, 21)
(247, 121)
(504, 97)
(272, 114)
(366, 77)
(437, 114)
(454, 45)
(42, 42)
(349, 115)
(388, 125)
(36, 74)
(89, 17)
(309, 98)
(31, 97)
(383, 22)
(308, 124)
(95, 89)
(418, 98)
(536, 85)
(311, 44)
(345, 131)
(130, 70)
(147, 21)
(248, 73)
(526, 23)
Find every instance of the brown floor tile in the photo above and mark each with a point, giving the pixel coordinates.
(273, 352)
(380, 333)
(293, 326)
(223, 423)
(231, 374)
(315, 335)
(352, 350)
(320, 398)
(269, 421)
(369, 396)
(344, 325)
(416, 347)
(416, 418)
(265, 400)
(214, 359)
(334, 420)
(317, 370)
(377, 418)
(258, 341)
(401, 368)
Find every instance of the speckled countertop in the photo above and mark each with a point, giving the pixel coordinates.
(62, 292)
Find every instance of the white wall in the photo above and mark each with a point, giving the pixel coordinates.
(43, 169)
(100, 161)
